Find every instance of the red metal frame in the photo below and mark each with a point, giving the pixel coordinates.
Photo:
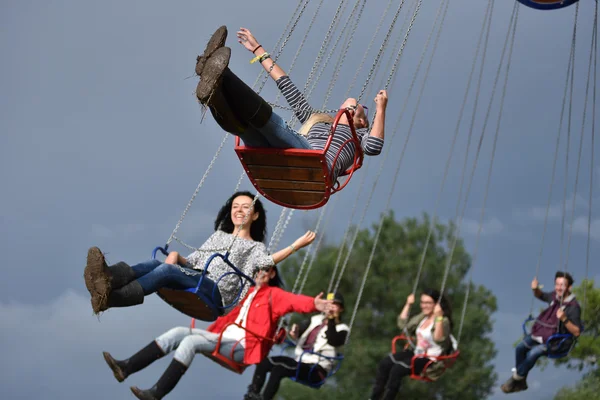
(330, 187)
(229, 362)
(447, 361)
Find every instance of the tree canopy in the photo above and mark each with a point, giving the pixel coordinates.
(390, 281)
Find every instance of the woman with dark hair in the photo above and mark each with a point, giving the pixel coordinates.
(248, 333)
(122, 286)
(432, 329)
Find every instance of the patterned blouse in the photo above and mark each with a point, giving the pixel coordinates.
(247, 255)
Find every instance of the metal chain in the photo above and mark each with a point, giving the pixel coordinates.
(587, 254)
(285, 225)
(489, 175)
(554, 163)
(362, 62)
(208, 169)
(277, 228)
(569, 124)
(301, 46)
(478, 151)
(383, 44)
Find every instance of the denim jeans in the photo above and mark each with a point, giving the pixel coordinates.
(275, 134)
(187, 342)
(153, 275)
(527, 353)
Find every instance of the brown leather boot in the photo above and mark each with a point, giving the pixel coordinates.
(216, 41)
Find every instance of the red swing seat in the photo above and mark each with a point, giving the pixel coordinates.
(228, 362)
(298, 178)
(447, 360)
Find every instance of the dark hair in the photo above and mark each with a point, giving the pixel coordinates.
(444, 303)
(566, 275)
(258, 229)
(276, 280)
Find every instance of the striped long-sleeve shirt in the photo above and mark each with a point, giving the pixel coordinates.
(319, 133)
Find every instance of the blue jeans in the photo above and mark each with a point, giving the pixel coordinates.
(153, 275)
(527, 353)
(276, 134)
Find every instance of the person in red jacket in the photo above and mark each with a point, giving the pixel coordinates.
(247, 330)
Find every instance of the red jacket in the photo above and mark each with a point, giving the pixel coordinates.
(268, 306)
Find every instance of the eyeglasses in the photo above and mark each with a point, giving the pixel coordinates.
(363, 106)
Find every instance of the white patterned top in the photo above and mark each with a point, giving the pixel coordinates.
(247, 255)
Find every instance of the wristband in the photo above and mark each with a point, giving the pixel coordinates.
(260, 58)
(257, 47)
(439, 319)
(293, 248)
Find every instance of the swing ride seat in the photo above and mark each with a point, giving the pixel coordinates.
(558, 345)
(192, 301)
(336, 360)
(228, 362)
(447, 361)
(547, 4)
(298, 178)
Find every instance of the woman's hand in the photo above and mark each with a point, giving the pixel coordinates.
(381, 99)
(304, 240)
(247, 40)
(437, 310)
(321, 304)
(410, 300)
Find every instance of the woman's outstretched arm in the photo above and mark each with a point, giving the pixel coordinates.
(248, 40)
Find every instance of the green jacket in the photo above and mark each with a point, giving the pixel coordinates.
(435, 370)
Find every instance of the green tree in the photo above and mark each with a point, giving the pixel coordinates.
(391, 279)
(587, 351)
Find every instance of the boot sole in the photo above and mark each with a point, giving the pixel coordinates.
(214, 68)
(216, 41)
(97, 279)
(112, 364)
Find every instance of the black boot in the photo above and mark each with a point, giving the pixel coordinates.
(120, 275)
(224, 115)
(252, 394)
(245, 102)
(140, 360)
(129, 295)
(165, 384)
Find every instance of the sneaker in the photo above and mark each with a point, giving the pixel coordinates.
(213, 69)
(216, 41)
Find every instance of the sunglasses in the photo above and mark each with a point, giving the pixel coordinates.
(364, 107)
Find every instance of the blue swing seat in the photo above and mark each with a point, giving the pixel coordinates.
(558, 345)
(193, 302)
(337, 360)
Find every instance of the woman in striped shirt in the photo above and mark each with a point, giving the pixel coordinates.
(239, 110)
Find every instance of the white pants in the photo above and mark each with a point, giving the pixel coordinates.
(187, 342)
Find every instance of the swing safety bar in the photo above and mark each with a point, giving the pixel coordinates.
(447, 361)
(336, 360)
(558, 345)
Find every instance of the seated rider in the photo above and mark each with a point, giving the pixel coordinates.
(242, 112)
(122, 286)
(432, 328)
(323, 333)
(259, 313)
(562, 316)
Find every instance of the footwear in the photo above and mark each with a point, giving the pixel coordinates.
(520, 385)
(140, 360)
(249, 106)
(224, 115)
(211, 74)
(165, 384)
(120, 275)
(216, 41)
(129, 295)
(97, 278)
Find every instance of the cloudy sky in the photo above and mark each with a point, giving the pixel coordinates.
(103, 143)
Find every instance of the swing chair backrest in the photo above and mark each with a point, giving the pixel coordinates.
(196, 304)
(335, 360)
(558, 345)
(227, 361)
(446, 361)
(298, 178)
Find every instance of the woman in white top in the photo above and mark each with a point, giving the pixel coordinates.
(430, 331)
(123, 286)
